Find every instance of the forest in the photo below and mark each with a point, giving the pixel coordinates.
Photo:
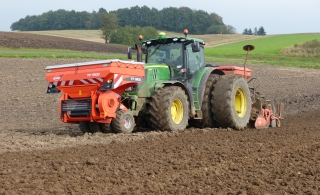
(168, 19)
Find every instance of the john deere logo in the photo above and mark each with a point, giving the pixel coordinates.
(154, 73)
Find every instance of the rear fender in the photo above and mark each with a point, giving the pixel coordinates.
(202, 84)
(219, 70)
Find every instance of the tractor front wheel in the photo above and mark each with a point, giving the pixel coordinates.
(231, 102)
(169, 109)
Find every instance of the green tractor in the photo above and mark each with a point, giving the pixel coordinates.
(180, 89)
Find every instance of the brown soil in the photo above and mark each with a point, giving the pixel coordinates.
(25, 40)
(41, 155)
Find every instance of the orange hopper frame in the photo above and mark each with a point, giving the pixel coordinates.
(100, 83)
(235, 70)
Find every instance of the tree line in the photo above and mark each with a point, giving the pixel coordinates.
(168, 19)
(260, 32)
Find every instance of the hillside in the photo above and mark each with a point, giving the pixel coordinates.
(268, 50)
(95, 36)
(86, 35)
(29, 40)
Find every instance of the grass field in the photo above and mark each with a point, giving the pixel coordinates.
(267, 51)
(54, 53)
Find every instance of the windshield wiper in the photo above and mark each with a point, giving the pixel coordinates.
(155, 50)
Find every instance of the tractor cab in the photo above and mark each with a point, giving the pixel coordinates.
(183, 56)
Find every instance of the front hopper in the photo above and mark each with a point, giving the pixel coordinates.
(92, 91)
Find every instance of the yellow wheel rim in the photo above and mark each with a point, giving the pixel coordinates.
(176, 111)
(240, 102)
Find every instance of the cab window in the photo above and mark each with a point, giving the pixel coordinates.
(195, 59)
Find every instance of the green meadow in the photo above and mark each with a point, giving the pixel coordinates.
(55, 53)
(267, 51)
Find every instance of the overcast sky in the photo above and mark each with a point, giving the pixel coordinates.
(276, 16)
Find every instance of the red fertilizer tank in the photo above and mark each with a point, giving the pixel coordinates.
(92, 90)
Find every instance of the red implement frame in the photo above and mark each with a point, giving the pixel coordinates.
(267, 117)
(95, 86)
(235, 70)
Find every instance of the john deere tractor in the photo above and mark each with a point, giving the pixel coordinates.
(180, 88)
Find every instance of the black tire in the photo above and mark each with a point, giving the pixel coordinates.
(206, 106)
(106, 128)
(94, 127)
(143, 119)
(228, 89)
(169, 109)
(124, 122)
(84, 126)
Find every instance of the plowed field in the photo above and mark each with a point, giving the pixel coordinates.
(41, 155)
(25, 40)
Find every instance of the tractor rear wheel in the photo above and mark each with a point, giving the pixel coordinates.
(231, 103)
(169, 109)
(124, 122)
(206, 106)
(84, 126)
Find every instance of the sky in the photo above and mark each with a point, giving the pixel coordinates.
(276, 16)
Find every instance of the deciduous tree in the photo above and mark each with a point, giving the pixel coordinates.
(109, 24)
(128, 35)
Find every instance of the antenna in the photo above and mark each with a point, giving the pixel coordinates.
(247, 48)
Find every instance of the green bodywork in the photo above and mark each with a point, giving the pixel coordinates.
(161, 69)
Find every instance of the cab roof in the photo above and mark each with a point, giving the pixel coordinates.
(162, 39)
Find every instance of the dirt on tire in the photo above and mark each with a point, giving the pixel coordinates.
(41, 155)
(161, 109)
(223, 102)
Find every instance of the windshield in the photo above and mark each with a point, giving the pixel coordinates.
(168, 53)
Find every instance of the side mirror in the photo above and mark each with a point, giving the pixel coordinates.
(195, 46)
(129, 53)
